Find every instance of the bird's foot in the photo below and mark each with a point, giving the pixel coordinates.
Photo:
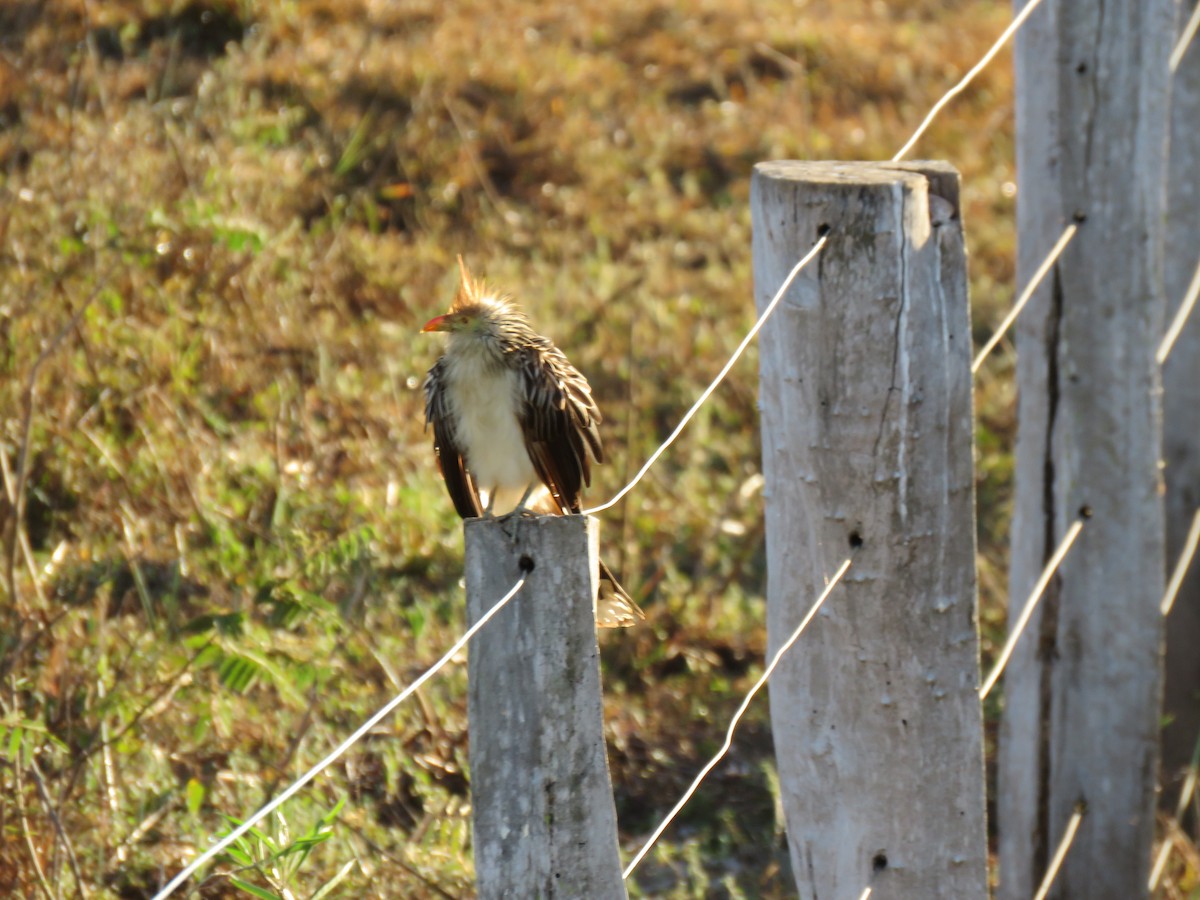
(518, 513)
(509, 521)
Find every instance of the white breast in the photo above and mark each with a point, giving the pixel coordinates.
(483, 402)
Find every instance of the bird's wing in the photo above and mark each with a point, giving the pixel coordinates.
(560, 423)
(459, 482)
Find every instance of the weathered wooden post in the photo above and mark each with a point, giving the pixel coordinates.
(867, 448)
(1082, 690)
(1181, 417)
(545, 825)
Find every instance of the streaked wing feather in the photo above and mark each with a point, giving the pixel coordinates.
(560, 423)
(459, 483)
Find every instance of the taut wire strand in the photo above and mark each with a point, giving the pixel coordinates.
(1060, 854)
(1185, 797)
(1181, 314)
(1182, 564)
(762, 320)
(338, 751)
(1008, 32)
(1185, 39)
(1038, 276)
(737, 717)
(1035, 595)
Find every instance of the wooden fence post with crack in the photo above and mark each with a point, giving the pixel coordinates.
(544, 821)
(1081, 693)
(867, 426)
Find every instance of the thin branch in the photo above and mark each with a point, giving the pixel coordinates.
(401, 864)
(23, 815)
(108, 778)
(10, 491)
(27, 433)
(168, 687)
(139, 831)
(306, 722)
(485, 180)
(80, 887)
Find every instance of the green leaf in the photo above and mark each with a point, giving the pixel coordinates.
(239, 856)
(238, 239)
(416, 621)
(304, 676)
(253, 889)
(14, 742)
(237, 672)
(327, 820)
(196, 792)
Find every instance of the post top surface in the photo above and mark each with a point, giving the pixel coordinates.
(831, 172)
(520, 523)
(940, 176)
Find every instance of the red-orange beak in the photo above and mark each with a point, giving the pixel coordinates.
(437, 323)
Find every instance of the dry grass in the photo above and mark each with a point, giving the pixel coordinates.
(222, 224)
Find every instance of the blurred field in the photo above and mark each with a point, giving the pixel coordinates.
(221, 226)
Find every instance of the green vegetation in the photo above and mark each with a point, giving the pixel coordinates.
(222, 223)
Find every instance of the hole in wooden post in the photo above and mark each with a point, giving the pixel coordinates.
(1085, 512)
(822, 230)
(525, 564)
(856, 539)
(879, 863)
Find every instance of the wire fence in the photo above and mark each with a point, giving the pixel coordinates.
(1174, 826)
(341, 748)
(1026, 294)
(1016, 631)
(770, 308)
(1060, 853)
(1039, 588)
(737, 717)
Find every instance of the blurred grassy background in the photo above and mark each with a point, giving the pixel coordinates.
(222, 223)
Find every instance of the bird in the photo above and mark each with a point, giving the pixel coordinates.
(515, 426)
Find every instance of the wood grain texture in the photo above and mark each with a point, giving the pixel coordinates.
(1181, 419)
(866, 400)
(1082, 690)
(544, 822)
